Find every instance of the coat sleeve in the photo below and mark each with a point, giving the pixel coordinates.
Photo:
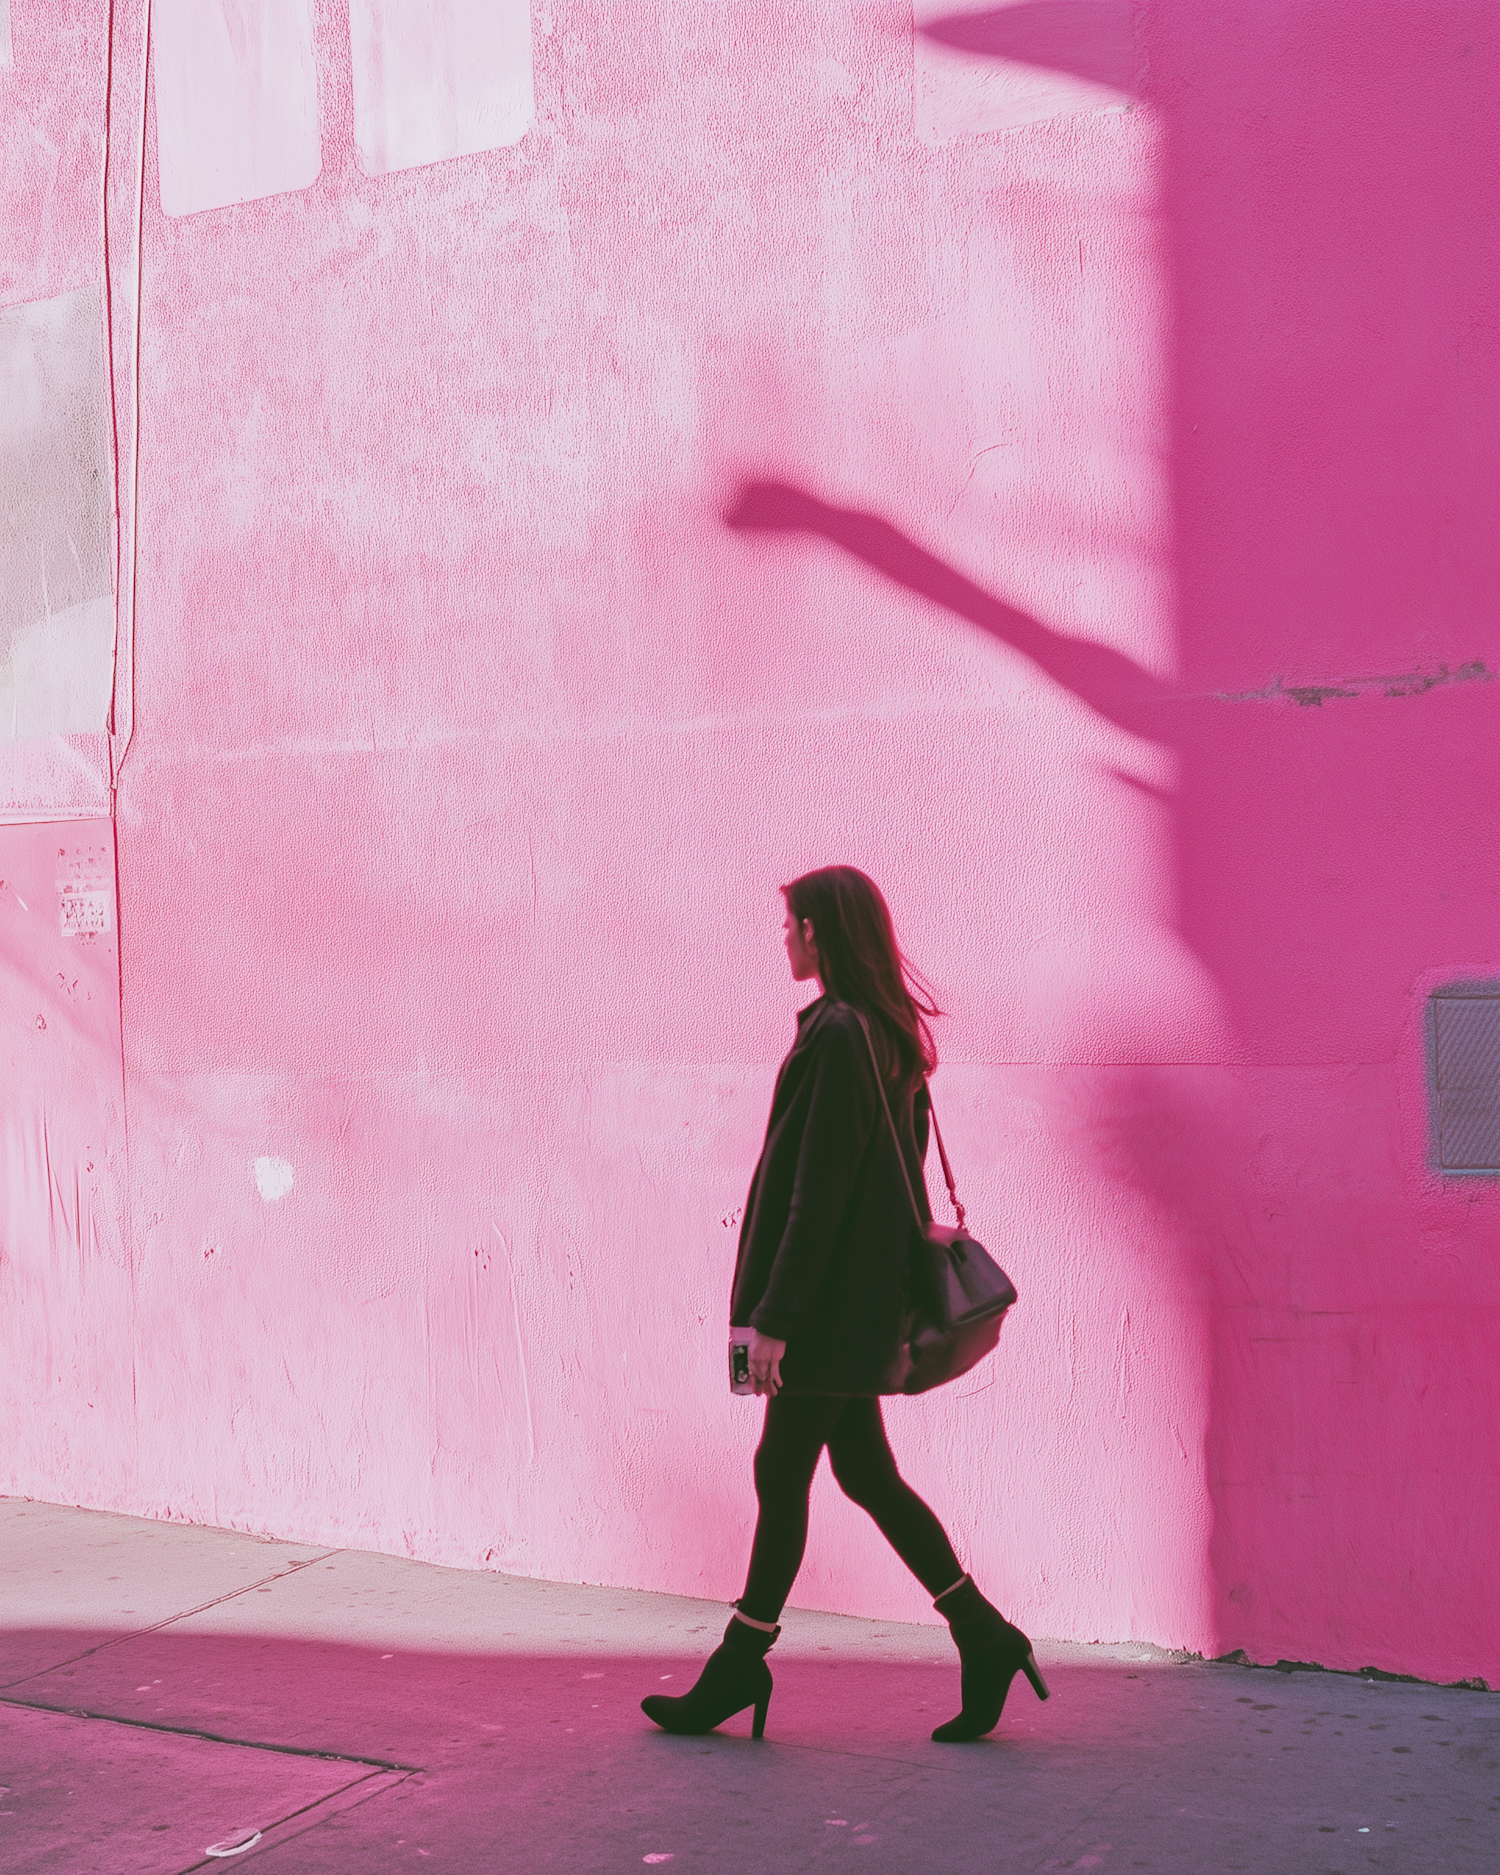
(842, 1109)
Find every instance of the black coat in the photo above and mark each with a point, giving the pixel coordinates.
(828, 1224)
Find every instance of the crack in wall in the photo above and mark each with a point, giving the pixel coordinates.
(1403, 684)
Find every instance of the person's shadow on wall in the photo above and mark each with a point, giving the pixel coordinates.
(1111, 683)
(1142, 1131)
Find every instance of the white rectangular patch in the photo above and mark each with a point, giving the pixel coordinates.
(59, 675)
(7, 56)
(985, 65)
(434, 79)
(54, 778)
(236, 100)
(56, 490)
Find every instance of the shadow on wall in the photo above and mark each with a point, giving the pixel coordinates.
(1333, 194)
(1088, 38)
(1113, 684)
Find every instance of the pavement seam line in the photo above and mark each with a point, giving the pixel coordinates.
(155, 1627)
(213, 1738)
(270, 1836)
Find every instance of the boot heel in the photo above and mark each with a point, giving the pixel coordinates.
(734, 1676)
(762, 1707)
(1034, 1673)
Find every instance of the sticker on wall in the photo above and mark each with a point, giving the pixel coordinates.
(435, 79)
(236, 100)
(85, 889)
(984, 65)
(56, 609)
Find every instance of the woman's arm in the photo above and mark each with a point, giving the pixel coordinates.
(841, 1112)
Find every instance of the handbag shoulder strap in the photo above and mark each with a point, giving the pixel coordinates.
(896, 1137)
(937, 1134)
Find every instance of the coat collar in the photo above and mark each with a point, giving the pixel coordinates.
(809, 1019)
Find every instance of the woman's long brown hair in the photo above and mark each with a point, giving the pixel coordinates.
(861, 964)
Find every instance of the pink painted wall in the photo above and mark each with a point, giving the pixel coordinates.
(460, 746)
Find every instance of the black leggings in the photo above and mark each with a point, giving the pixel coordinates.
(798, 1426)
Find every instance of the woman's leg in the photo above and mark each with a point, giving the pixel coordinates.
(797, 1428)
(992, 1652)
(865, 1468)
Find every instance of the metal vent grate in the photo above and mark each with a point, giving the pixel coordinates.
(1465, 1058)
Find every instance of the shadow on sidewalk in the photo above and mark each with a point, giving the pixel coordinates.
(137, 1751)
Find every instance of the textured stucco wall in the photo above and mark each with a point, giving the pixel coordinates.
(460, 745)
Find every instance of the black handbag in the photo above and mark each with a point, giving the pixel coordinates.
(957, 1294)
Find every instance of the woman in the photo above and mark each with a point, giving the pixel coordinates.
(819, 1283)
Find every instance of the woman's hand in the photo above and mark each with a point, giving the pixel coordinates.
(765, 1362)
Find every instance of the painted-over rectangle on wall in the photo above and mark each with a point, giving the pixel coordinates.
(435, 79)
(236, 100)
(56, 603)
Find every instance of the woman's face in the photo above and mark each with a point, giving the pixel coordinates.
(801, 947)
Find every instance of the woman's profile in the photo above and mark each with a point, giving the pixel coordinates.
(819, 1285)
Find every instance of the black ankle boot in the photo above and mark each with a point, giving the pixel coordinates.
(734, 1676)
(991, 1653)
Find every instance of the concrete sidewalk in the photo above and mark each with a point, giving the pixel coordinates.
(167, 1689)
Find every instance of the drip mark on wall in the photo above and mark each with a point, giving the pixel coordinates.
(515, 1314)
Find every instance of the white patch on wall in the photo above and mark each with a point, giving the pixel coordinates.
(85, 888)
(434, 79)
(273, 1178)
(7, 56)
(985, 65)
(56, 608)
(236, 100)
(60, 672)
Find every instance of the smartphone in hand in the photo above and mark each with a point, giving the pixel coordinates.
(739, 1361)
